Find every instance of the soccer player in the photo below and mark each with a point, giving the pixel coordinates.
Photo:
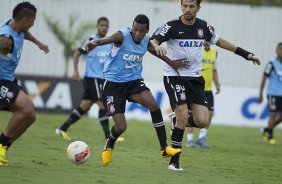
(124, 82)
(209, 73)
(12, 98)
(93, 81)
(185, 37)
(273, 72)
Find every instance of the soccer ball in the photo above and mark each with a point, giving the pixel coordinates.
(78, 152)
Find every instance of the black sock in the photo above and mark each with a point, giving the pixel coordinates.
(191, 122)
(4, 140)
(176, 142)
(270, 132)
(159, 125)
(74, 116)
(112, 138)
(104, 121)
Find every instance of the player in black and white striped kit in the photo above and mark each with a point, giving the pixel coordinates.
(185, 37)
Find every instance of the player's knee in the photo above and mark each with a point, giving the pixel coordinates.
(29, 114)
(121, 127)
(152, 106)
(202, 121)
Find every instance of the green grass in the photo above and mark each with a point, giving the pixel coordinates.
(237, 155)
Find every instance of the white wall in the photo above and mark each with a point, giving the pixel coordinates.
(254, 28)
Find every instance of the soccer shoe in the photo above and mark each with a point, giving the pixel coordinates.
(107, 156)
(62, 134)
(3, 150)
(170, 151)
(264, 135)
(272, 141)
(202, 142)
(175, 167)
(120, 139)
(190, 144)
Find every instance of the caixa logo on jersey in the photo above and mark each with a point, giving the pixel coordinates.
(191, 43)
(252, 109)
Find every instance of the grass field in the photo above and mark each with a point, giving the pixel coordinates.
(236, 155)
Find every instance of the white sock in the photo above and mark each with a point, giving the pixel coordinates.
(203, 132)
(190, 137)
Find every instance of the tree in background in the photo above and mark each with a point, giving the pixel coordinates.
(70, 36)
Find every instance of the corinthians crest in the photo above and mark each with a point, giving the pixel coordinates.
(111, 108)
(200, 33)
(182, 96)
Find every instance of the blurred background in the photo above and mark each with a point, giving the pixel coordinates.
(62, 24)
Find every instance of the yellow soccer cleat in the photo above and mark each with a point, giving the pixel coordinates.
(272, 141)
(120, 139)
(170, 151)
(62, 134)
(107, 156)
(3, 150)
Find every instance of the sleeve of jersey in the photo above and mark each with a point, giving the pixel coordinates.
(268, 69)
(162, 34)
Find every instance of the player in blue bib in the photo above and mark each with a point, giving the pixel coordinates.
(12, 98)
(124, 82)
(92, 82)
(273, 72)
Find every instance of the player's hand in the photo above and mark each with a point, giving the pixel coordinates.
(75, 76)
(160, 50)
(260, 98)
(217, 86)
(90, 45)
(254, 59)
(43, 47)
(179, 63)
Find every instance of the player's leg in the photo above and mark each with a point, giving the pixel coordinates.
(23, 116)
(103, 118)
(274, 104)
(202, 142)
(114, 99)
(146, 99)
(85, 104)
(75, 115)
(269, 129)
(278, 119)
(190, 137)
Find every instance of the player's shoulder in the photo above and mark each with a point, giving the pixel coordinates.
(174, 22)
(201, 23)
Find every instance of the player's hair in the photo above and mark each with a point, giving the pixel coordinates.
(142, 19)
(24, 9)
(279, 44)
(102, 19)
(198, 2)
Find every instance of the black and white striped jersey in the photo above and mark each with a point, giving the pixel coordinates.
(185, 41)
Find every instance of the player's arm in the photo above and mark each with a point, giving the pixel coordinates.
(160, 53)
(6, 45)
(76, 56)
(116, 39)
(237, 50)
(42, 46)
(216, 81)
(267, 71)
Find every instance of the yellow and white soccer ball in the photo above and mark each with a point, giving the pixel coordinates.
(78, 152)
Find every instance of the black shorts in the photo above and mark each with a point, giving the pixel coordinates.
(209, 96)
(274, 103)
(115, 94)
(9, 91)
(92, 89)
(185, 90)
